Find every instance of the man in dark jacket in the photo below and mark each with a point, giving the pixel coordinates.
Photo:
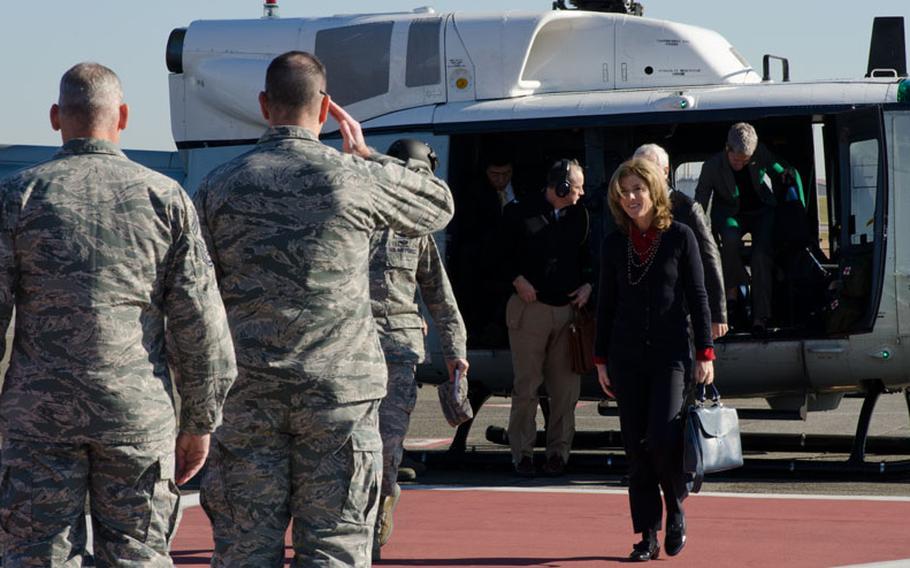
(478, 230)
(546, 258)
(689, 213)
(738, 179)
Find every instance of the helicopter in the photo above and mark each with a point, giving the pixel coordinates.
(468, 84)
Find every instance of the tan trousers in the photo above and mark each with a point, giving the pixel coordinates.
(538, 336)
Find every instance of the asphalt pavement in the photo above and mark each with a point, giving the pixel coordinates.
(486, 463)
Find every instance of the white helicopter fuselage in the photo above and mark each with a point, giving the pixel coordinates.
(594, 86)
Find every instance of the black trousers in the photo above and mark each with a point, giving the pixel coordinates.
(650, 397)
(761, 225)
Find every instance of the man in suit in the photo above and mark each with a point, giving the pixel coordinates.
(478, 223)
(738, 179)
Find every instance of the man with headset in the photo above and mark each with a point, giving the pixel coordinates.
(547, 260)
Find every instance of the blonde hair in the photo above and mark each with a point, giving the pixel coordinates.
(657, 187)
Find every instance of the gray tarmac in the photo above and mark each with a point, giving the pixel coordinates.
(487, 463)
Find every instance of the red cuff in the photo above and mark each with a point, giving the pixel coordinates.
(705, 354)
(600, 360)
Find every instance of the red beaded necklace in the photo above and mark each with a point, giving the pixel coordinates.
(642, 250)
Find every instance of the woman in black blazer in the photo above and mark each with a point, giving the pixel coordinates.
(651, 280)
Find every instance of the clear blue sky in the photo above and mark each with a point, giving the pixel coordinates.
(39, 40)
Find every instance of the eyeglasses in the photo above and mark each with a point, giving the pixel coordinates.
(323, 93)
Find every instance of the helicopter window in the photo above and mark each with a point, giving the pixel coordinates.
(423, 66)
(823, 203)
(357, 60)
(863, 186)
(686, 176)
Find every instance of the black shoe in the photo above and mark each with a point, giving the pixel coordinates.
(525, 467)
(647, 549)
(760, 328)
(675, 540)
(554, 467)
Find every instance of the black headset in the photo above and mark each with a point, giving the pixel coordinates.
(559, 177)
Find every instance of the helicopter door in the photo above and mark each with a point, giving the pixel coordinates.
(857, 209)
(860, 180)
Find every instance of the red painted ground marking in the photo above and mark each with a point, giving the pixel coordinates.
(574, 530)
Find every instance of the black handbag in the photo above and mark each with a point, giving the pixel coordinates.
(711, 438)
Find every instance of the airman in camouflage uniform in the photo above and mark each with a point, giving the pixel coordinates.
(399, 266)
(101, 257)
(288, 225)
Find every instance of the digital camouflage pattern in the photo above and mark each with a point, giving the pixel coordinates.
(394, 419)
(333, 464)
(135, 503)
(399, 268)
(99, 255)
(289, 225)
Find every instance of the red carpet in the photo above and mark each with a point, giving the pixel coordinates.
(574, 530)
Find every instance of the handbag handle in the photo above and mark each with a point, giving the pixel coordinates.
(700, 392)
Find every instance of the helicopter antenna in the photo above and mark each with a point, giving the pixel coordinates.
(615, 6)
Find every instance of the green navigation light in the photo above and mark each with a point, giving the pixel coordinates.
(903, 91)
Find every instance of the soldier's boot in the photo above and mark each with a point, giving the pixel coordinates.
(386, 511)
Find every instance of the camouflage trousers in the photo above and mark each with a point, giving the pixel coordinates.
(133, 498)
(273, 462)
(394, 419)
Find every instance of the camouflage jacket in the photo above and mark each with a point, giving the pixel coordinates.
(101, 258)
(398, 266)
(288, 225)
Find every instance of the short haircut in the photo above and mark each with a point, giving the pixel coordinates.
(293, 80)
(557, 171)
(498, 158)
(90, 91)
(656, 181)
(742, 139)
(655, 153)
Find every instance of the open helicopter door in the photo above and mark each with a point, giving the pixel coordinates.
(857, 210)
(861, 181)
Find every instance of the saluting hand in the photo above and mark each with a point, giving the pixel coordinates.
(351, 132)
(704, 372)
(192, 450)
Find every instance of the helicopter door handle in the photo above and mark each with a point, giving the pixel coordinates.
(828, 350)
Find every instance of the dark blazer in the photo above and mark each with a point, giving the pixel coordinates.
(689, 213)
(716, 180)
(649, 320)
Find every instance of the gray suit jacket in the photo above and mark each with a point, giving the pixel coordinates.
(691, 214)
(716, 180)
